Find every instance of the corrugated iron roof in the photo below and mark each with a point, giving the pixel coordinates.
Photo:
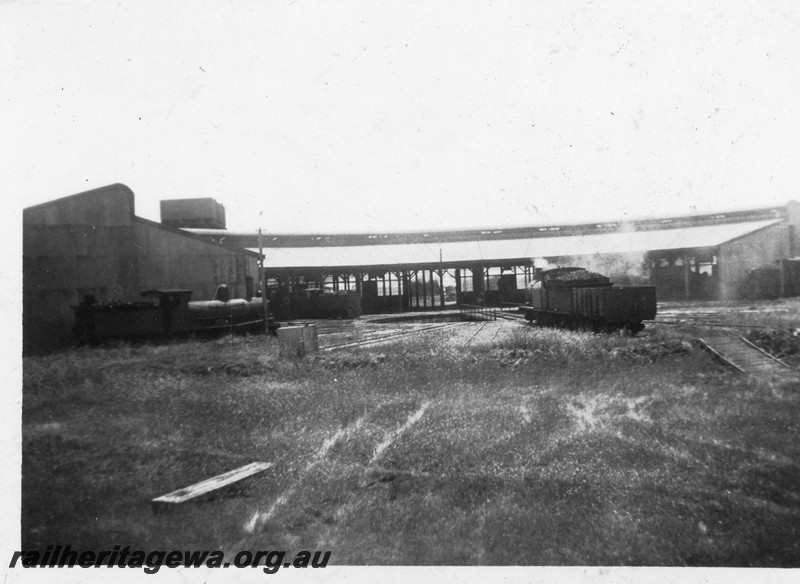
(498, 250)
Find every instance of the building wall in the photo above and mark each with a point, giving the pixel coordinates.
(75, 246)
(793, 218)
(111, 205)
(737, 256)
(170, 259)
(92, 244)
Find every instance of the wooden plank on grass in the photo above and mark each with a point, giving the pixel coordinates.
(212, 484)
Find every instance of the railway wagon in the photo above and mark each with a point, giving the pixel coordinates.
(315, 303)
(321, 303)
(577, 298)
(167, 313)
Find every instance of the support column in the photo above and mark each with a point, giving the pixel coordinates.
(406, 297)
(477, 283)
(441, 287)
(686, 276)
(399, 278)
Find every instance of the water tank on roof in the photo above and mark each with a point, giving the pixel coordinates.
(197, 213)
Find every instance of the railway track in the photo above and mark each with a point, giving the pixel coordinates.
(721, 337)
(513, 316)
(704, 323)
(729, 316)
(745, 357)
(383, 335)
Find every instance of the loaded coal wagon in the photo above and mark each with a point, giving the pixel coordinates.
(578, 298)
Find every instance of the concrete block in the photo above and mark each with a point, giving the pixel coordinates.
(310, 338)
(296, 341)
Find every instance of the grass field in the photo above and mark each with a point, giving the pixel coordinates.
(540, 447)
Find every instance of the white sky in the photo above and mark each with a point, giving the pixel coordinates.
(361, 115)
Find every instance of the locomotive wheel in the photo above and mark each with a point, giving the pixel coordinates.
(635, 328)
(566, 321)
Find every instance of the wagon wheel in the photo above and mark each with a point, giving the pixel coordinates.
(634, 328)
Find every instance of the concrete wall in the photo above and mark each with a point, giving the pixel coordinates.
(761, 247)
(92, 244)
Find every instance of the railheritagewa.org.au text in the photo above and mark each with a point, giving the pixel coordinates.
(63, 556)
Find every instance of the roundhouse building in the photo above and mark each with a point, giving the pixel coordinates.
(93, 244)
(707, 256)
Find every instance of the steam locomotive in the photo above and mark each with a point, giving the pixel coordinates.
(578, 298)
(168, 313)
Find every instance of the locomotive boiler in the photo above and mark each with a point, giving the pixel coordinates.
(168, 313)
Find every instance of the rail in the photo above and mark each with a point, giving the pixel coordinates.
(705, 345)
(383, 338)
(472, 312)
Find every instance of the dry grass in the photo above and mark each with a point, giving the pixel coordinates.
(776, 314)
(541, 447)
